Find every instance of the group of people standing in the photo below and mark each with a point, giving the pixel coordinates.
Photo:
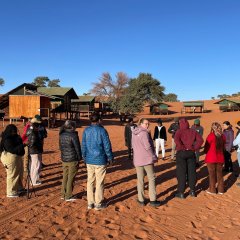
(96, 152)
(186, 142)
(21, 154)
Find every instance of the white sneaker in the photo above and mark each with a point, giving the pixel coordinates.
(13, 196)
(72, 199)
(37, 183)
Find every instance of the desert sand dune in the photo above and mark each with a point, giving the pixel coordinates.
(46, 216)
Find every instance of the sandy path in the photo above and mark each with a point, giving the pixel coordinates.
(46, 216)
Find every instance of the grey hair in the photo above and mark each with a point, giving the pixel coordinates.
(70, 124)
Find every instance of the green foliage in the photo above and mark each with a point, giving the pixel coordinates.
(170, 97)
(142, 89)
(54, 83)
(40, 81)
(2, 81)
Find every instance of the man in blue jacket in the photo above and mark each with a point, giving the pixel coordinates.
(97, 154)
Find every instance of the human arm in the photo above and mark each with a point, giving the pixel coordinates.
(164, 133)
(207, 144)
(198, 141)
(84, 146)
(236, 140)
(177, 140)
(107, 145)
(77, 146)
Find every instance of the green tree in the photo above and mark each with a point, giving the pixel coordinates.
(2, 81)
(113, 89)
(40, 81)
(141, 90)
(170, 97)
(221, 96)
(54, 83)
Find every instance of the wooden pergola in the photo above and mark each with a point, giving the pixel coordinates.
(193, 107)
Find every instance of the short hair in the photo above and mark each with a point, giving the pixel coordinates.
(70, 124)
(94, 117)
(130, 119)
(227, 123)
(238, 123)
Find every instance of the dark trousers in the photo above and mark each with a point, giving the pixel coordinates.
(228, 166)
(69, 172)
(130, 153)
(215, 175)
(186, 166)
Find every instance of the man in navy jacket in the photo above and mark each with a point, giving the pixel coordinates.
(97, 154)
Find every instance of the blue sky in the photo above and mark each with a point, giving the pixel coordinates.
(191, 46)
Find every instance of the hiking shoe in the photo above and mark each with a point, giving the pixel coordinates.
(13, 196)
(100, 206)
(192, 193)
(23, 190)
(141, 203)
(221, 193)
(155, 203)
(179, 195)
(90, 206)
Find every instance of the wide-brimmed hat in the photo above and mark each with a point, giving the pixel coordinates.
(35, 120)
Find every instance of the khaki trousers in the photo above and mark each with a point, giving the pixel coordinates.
(70, 170)
(14, 168)
(96, 173)
(25, 159)
(35, 167)
(173, 149)
(151, 182)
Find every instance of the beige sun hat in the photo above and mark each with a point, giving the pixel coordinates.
(34, 120)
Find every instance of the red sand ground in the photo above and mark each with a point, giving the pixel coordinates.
(46, 216)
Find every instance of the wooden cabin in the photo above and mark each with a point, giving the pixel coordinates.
(83, 104)
(101, 104)
(23, 89)
(159, 108)
(28, 106)
(227, 105)
(62, 99)
(193, 107)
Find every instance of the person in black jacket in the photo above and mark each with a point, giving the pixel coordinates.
(128, 136)
(12, 149)
(71, 155)
(42, 133)
(35, 149)
(160, 136)
(173, 129)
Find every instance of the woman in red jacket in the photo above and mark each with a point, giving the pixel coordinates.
(214, 149)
